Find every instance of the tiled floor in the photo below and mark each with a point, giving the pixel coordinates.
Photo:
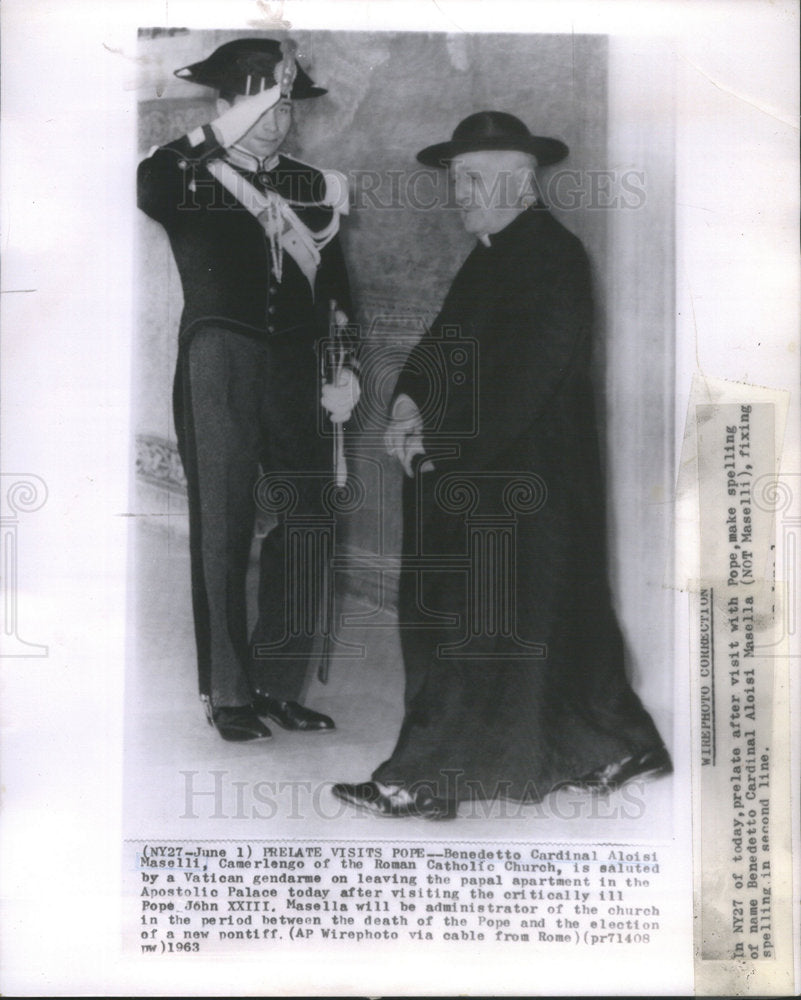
(184, 782)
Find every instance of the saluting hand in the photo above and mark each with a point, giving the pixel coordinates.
(241, 116)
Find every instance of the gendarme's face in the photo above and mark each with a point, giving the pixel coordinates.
(267, 135)
(486, 189)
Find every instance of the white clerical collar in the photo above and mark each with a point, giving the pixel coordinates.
(240, 157)
(489, 239)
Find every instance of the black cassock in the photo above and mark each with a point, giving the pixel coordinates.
(515, 678)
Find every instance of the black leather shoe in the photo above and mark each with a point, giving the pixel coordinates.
(367, 795)
(239, 724)
(652, 764)
(291, 715)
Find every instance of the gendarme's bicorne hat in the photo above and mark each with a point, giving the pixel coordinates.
(247, 66)
(493, 130)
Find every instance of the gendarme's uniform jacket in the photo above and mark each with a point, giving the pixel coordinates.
(221, 250)
(246, 387)
(526, 688)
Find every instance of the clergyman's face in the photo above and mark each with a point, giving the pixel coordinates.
(267, 135)
(488, 186)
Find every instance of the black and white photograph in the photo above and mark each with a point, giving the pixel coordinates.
(374, 455)
(400, 499)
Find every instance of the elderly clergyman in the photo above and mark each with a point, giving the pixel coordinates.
(515, 682)
(254, 235)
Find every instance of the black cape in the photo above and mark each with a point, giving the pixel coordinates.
(513, 655)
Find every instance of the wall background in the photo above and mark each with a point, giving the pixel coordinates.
(390, 94)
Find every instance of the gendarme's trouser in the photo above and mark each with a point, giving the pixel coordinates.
(247, 424)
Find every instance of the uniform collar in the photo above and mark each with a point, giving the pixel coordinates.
(245, 160)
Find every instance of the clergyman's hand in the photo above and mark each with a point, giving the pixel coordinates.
(404, 435)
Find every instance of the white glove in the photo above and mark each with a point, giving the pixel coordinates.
(404, 436)
(242, 116)
(340, 398)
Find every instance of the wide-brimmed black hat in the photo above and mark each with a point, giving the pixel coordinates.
(493, 130)
(246, 66)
